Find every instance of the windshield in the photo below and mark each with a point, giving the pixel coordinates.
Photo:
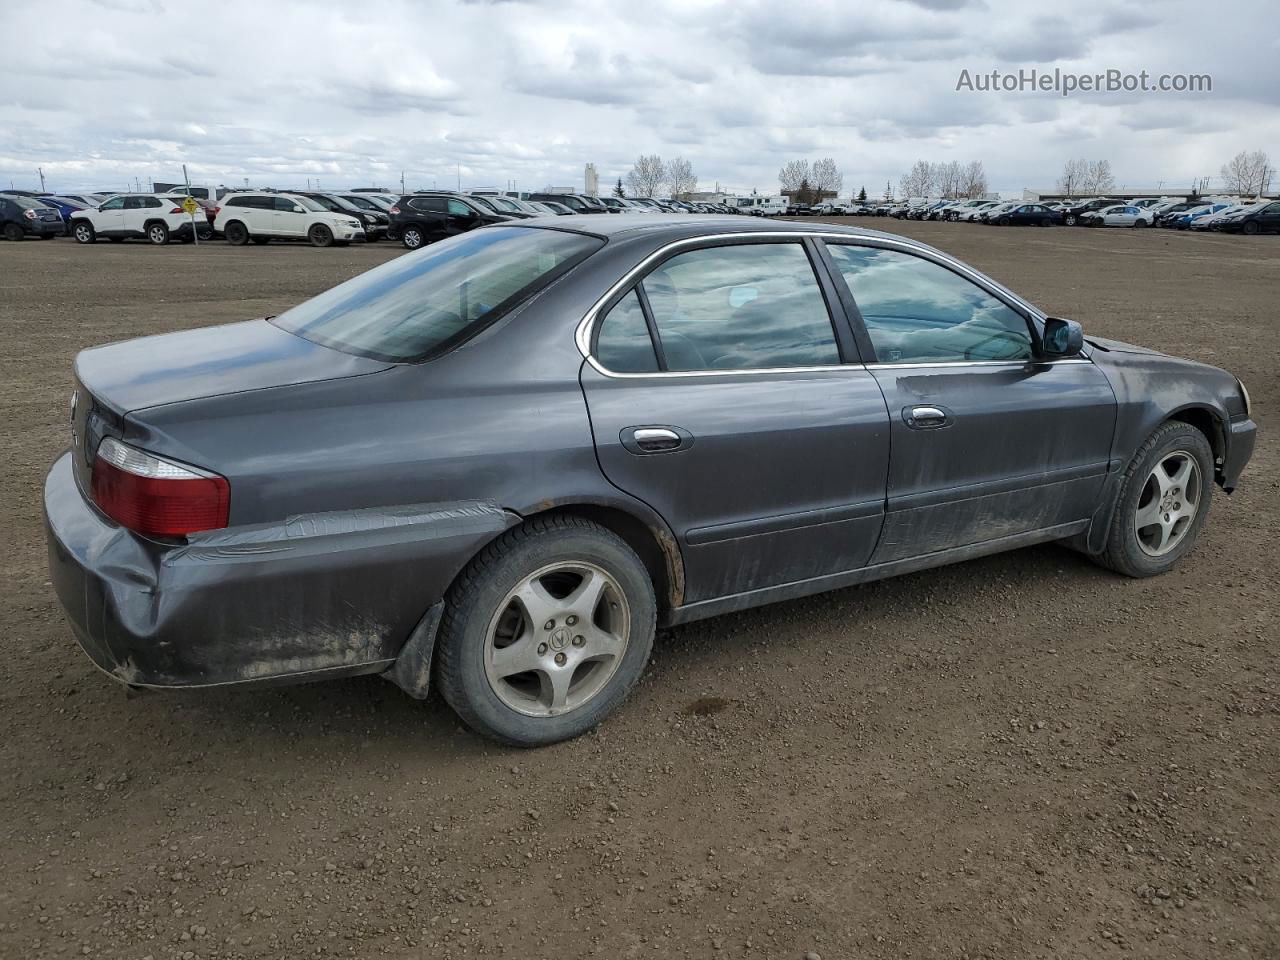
(321, 203)
(362, 203)
(422, 304)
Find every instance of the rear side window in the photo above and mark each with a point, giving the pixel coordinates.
(429, 204)
(918, 311)
(421, 305)
(624, 345)
(741, 307)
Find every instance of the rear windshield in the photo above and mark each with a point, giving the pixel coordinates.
(424, 303)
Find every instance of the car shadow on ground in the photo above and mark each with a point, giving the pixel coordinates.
(370, 716)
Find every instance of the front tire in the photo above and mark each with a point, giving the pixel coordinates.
(546, 632)
(320, 235)
(1251, 228)
(1071, 220)
(1162, 504)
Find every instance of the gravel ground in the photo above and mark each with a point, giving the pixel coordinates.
(1017, 757)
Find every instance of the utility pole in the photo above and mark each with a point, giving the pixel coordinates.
(459, 178)
(40, 170)
(402, 181)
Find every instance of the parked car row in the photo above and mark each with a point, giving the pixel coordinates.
(1250, 217)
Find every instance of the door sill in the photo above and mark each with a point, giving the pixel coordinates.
(848, 578)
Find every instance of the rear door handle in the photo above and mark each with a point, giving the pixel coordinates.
(655, 439)
(926, 417)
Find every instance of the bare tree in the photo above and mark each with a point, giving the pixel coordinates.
(647, 175)
(1247, 174)
(793, 173)
(1074, 175)
(681, 178)
(973, 180)
(825, 177)
(918, 181)
(1099, 178)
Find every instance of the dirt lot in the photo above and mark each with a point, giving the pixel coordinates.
(1017, 757)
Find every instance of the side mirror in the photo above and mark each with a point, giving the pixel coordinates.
(1062, 339)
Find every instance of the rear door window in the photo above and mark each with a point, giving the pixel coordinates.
(624, 344)
(741, 307)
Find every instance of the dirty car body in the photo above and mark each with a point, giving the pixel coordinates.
(363, 480)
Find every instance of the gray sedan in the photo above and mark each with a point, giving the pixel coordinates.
(497, 464)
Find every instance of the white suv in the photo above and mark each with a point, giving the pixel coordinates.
(261, 217)
(159, 219)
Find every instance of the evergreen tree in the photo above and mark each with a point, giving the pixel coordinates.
(862, 195)
(617, 190)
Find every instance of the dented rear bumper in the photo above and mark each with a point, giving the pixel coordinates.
(312, 597)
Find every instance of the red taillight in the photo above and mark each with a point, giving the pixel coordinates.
(395, 210)
(176, 210)
(154, 496)
(29, 213)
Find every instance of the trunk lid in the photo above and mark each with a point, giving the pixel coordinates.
(208, 362)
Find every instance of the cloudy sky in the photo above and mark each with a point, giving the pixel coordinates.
(349, 92)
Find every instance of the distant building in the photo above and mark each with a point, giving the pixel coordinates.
(591, 181)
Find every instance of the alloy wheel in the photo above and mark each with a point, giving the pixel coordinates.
(557, 638)
(1168, 503)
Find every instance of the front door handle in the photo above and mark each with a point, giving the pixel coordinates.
(926, 417)
(655, 439)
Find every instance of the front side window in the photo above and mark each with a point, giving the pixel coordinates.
(420, 305)
(115, 203)
(918, 311)
(741, 307)
(284, 204)
(459, 209)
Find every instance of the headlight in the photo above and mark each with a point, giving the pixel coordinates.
(1244, 395)
(352, 223)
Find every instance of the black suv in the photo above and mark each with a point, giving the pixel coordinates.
(577, 202)
(420, 218)
(20, 216)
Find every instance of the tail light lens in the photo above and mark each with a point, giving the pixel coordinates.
(153, 496)
(29, 213)
(176, 210)
(395, 209)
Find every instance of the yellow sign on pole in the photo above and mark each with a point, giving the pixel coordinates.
(189, 206)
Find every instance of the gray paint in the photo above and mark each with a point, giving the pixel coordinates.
(360, 489)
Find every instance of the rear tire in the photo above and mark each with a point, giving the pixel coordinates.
(592, 650)
(236, 233)
(158, 234)
(320, 235)
(83, 231)
(13, 232)
(412, 237)
(1158, 514)
(1071, 220)
(1139, 224)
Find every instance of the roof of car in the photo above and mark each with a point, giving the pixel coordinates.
(679, 225)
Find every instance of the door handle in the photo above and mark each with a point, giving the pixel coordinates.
(926, 417)
(655, 439)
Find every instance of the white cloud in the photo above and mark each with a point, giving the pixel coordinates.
(530, 90)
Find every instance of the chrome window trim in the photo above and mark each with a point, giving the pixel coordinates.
(582, 334)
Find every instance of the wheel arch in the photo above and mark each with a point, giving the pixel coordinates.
(1211, 423)
(649, 537)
